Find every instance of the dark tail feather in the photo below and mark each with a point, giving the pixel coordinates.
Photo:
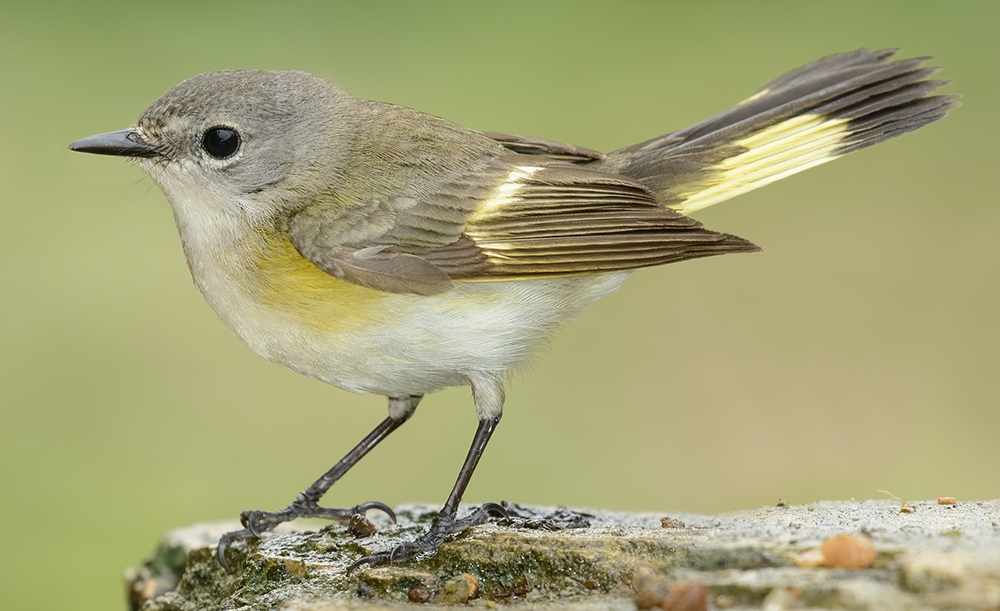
(809, 116)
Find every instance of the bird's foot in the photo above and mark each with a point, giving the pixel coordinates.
(255, 523)
(527, 518)
(443, 527)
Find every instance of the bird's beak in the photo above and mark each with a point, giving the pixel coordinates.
(123, 143)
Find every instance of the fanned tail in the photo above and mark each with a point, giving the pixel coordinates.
(809, 116)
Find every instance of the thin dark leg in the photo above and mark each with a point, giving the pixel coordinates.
(445, 524)
(483, 433)
(313, 493)
(306, 504)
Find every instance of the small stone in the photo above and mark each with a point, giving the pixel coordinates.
(360, 526)
(782, 503)
(947, 500)
(458, 590)
(691, 596)
(668, 522)
(419, 594)
(848, 552)
(651, 590)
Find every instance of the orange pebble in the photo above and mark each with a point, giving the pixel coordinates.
(848, 552)
(691, 596)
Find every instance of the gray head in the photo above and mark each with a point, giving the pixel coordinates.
(242, 143)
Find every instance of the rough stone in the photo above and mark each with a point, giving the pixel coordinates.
(933, 557)
(458, 590)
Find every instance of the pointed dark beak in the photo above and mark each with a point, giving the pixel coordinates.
(123, 143)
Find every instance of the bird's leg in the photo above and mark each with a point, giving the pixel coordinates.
(306, 504)
(446, 522)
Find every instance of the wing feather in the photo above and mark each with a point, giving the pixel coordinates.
(438, 202)
(563, 219)
(514, 217)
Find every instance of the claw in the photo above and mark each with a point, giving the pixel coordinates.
(248, 519)
(481, 514)
(256, 523)
(440, 530)
(363, 507)
(259, 522)
(224, 542)
(379, 558)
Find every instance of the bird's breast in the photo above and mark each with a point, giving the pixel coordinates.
(361, 339)
(277, 279)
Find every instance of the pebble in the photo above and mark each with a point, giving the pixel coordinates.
(458, 590)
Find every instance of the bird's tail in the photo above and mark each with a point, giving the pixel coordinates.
(809, 116)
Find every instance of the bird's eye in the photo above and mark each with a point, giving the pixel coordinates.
(220, 141)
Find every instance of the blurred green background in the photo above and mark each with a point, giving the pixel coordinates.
(858, 352)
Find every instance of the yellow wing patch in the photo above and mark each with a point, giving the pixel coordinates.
(505, 194)
(560, 219)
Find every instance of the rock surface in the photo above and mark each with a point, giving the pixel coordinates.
(930, 556)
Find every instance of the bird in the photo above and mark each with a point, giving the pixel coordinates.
(384, 250)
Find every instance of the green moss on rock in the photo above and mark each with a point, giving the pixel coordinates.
(744, 558)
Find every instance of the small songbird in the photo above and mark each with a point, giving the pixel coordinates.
(387, 251)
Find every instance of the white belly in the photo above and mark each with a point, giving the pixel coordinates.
(421, 344)
(363, 340)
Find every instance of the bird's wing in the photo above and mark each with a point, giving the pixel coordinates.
(515, 217)
(528, 145)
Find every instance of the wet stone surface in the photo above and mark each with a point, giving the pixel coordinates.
(935, 556)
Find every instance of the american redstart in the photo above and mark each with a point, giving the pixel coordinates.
(388, 251)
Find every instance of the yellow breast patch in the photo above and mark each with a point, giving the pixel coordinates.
(281, 279)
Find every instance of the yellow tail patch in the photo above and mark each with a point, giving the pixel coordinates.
(771, 154)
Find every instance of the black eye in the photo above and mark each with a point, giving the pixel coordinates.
(221, 142)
